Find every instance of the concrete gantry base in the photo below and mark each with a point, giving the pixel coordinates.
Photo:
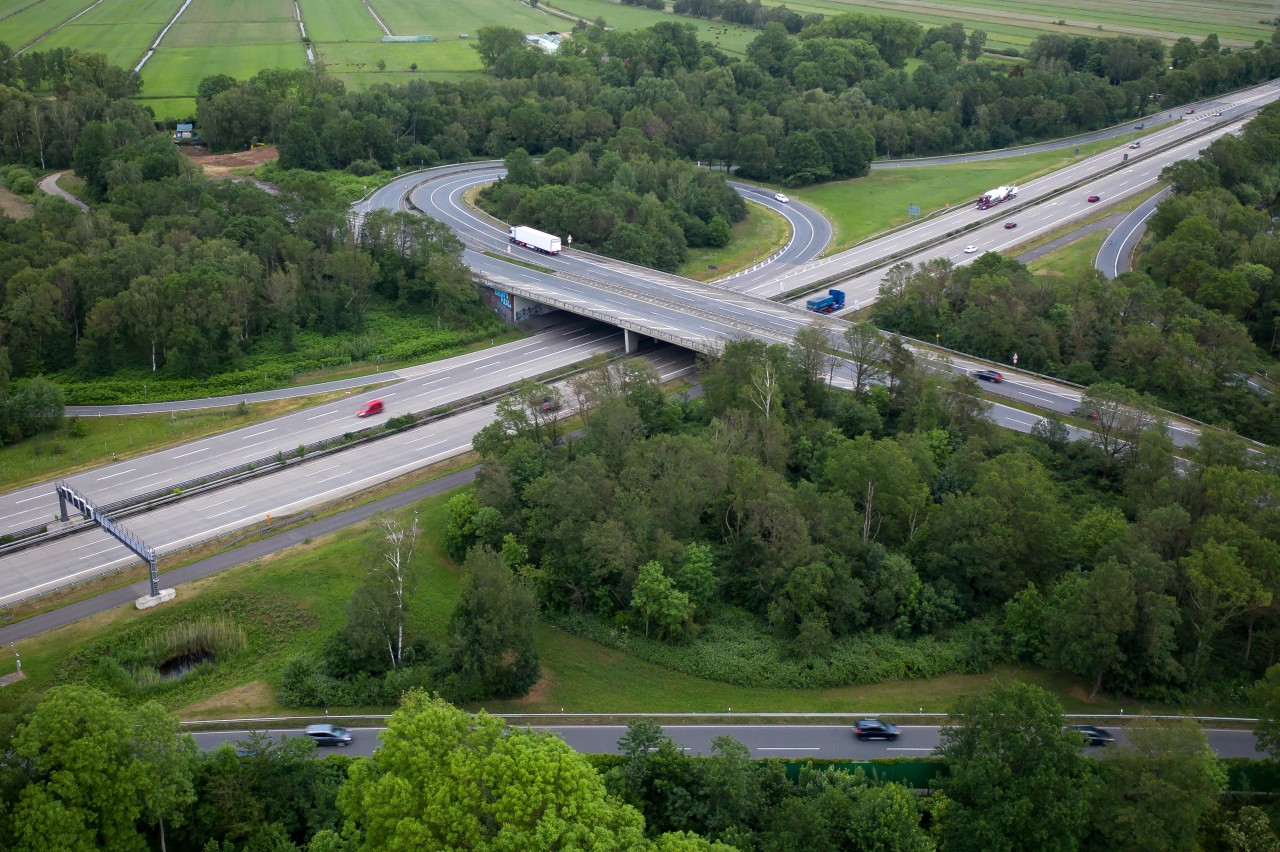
(147, 601)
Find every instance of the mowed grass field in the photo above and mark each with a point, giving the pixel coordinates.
(236, 38)
(348, 41)
(122, 29)
(1011, 23)
(22, 22)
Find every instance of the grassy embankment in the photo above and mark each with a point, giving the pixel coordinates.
(292, 601)
(866, 206)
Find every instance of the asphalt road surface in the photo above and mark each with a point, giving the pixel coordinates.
(1114, 255)
(699, 311)
(313, 481)
(820, 742)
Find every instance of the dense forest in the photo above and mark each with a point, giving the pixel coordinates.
(776, 532)
(176, 277)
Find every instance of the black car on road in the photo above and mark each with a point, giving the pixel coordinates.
(1093, 736)
(988, 375)
(874, 729)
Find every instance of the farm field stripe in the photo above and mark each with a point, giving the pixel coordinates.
(375, 17)
(156, 43)
(302, 28)
(52, 30)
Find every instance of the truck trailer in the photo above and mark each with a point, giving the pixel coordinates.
(534, 239)
(992, 197)
(833, 301)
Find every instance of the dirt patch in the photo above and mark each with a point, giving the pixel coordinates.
(14, 206)
(537, 694)
(250, 696)
(220, 165)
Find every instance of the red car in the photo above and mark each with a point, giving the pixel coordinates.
(1093, 198)
(1008, 226)
(1191, 111)
(373, 406)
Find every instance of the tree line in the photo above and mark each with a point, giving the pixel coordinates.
(834, 531)
(770, 114)
(178, 276)
(84, 771)
(1190, 358)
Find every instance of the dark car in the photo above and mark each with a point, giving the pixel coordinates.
(874, 729)
(328, 735)
(1093, 198)
(1093, 736)
(988, 375)
(373, 406)
(1087, 413)
(1191, 111)
(1008, 226)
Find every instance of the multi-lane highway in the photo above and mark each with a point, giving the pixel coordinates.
(418, 389)
(798, 741)
(699, 315)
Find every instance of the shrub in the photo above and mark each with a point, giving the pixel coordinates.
(736, 648)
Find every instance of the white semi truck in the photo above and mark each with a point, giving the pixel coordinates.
(992, 197)
(534, 239)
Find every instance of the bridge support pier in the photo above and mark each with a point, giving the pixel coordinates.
(631, 340)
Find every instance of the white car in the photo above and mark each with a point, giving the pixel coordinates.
(778, 196)
(970, 249)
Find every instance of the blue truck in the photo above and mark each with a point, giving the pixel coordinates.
(833, 301)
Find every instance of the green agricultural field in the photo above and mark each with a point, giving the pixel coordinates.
(176, 71)
(171, 110)
(237, 11)
(447, 20)
(122, 30)
(730, 38)
(1008, 23)
(338, 20)
(20, 28)
(356, 63)
(123, 44)
(232, 35)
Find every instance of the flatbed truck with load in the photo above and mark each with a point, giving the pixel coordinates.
(992, 197)
(832, 301)
(534, 239)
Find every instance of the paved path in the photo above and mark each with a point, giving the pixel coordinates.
(231, 558)
(50, 185)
